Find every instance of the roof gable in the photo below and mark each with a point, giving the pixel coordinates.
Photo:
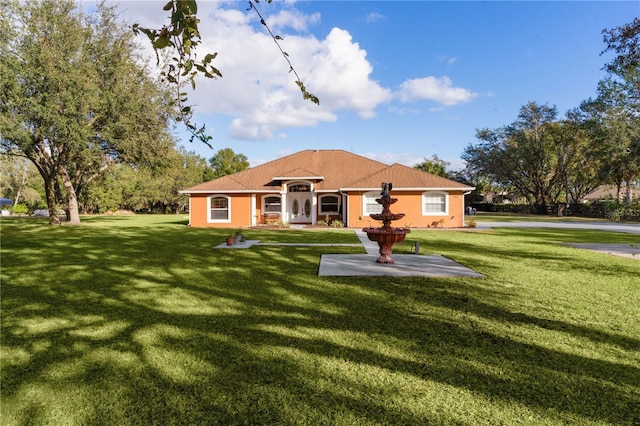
(404, 177)
(299, 173)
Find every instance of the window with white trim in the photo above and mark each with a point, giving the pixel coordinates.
(370, 203)
(435, 203)
(272, 204)
(219, 208)
(300, 187)
(329, 204)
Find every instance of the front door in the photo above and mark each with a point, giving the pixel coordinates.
(299, 207)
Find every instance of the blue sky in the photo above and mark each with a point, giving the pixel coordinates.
(398, 81)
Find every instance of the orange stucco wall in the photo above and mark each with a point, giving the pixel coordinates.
(240, 211)
(409, 203)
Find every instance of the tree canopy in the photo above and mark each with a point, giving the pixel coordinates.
(226, 162)
(75, 98)
(435, 165)
(549, 160)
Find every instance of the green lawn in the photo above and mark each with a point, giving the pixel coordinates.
(137, 320)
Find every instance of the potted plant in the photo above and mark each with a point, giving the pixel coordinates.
(230, 240)
(238, 238)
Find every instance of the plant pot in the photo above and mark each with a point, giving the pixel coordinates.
(230, 241)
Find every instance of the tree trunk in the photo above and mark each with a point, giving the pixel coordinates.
(51, 201)
(629, 193)
(73, 214)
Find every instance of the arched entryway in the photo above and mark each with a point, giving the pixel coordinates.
(299, 203)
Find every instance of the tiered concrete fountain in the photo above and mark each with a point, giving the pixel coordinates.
(386, 236)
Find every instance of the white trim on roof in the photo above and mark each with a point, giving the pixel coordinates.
(234, 191)
(422, 188)
(297, 177)
(266, 191)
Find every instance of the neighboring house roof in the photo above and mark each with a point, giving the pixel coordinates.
(610, 192)
(332, 170)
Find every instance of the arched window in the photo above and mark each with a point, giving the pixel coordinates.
(219, 208)
(435, 203)
(370, 203)
(329, 204)
(300, 187)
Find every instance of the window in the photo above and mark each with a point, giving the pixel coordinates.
(272, 204)
(300, 188)
(329, 204)
(435, 203)
(370, 203)
(219, 209)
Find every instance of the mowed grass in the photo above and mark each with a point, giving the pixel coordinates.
(137, 320)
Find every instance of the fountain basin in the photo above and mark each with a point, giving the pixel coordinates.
(386, 237)
(384, 217)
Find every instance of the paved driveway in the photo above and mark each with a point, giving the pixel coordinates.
(603, 226)
(623, 250)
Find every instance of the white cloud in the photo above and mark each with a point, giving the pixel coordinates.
(257, 92)
(440, 90)
(293, 19)
(449, 60)
(341, 74)
(392, 158)
(374, 17)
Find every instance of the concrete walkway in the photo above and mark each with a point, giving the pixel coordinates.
(411, 265)
(406, 265)
(348, 265)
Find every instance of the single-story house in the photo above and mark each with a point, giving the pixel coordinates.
(314, 185)
(610, 192)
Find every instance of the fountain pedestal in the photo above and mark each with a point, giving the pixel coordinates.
(386, 235)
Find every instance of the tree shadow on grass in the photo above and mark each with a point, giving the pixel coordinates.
(137, 326)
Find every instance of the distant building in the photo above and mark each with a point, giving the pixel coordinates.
(609, 192)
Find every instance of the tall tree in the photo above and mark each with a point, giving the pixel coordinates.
(75, 99)
(615, 124)
(435, 165)
(615, 112)
(579, 164)
(226, 162)
(521, 155)
(625, 42)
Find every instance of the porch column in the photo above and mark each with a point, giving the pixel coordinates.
(314, 208)
(283, 206)
(253, 210)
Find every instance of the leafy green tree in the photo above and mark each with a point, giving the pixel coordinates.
(435, 166)
(616, 127)
(108, 191)
(75, 99)
(614, 115)
(158, 188)
(226, 162)
(625, 42)
(579, 162)
(521, 155)
(19, 180)
(185, 169)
